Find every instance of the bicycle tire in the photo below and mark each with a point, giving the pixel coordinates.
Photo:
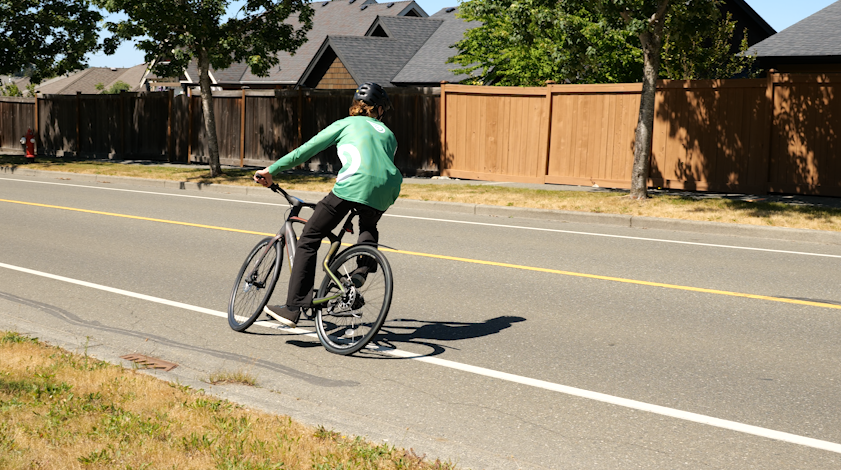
(249, 297)
(345, 325)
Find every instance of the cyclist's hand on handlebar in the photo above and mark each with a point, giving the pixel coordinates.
(263, 177)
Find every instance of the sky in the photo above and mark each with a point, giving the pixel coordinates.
(780, 14)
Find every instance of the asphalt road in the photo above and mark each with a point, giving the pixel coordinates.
(511, 342)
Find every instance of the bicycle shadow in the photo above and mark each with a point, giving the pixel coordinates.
(400, 332)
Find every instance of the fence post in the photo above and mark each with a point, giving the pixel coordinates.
(544, 171)
(300, 117)
(170, 149)
(37, 127)
(242, 129)
(443, 130)
(78, 123)
(123, 126)
(769, 97)
(190, 125)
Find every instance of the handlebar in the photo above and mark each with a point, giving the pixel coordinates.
(294, 201)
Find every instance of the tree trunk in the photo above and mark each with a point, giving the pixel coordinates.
(209, 115)
(652, 44)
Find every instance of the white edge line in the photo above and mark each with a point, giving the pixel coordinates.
(146, 192)
(624, 402)
(606, 235)
(571, 232)
(572, 391)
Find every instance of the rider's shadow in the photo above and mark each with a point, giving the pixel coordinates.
(403, 331)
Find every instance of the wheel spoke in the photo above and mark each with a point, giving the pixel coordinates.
(349, 322)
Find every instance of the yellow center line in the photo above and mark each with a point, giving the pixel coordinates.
(174, 222)
(624, 280)
(473, 261)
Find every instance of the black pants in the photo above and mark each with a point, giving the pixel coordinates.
(329, 212)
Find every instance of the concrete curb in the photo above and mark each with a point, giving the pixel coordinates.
(654, 223)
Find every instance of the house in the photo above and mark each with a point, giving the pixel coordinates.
(87, 81)
(393, 52)
(812, 45)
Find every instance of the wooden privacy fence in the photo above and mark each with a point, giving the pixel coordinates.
(253, 127)
(778, 134)
(16, 117)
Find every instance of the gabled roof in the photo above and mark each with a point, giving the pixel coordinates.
(375, 58)
(818, 35)
(85, 81)
(396, 51)
(429, 65)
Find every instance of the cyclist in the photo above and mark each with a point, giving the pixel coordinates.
(367, 181)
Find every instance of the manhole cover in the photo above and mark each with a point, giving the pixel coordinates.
(150, 362)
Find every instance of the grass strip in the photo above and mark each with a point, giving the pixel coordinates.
(62, 410)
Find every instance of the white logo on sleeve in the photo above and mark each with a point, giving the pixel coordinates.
(377, 127)
(348, 152)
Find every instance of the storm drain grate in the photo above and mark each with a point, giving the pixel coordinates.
(150, 362)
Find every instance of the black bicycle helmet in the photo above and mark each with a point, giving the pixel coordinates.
(372, 94)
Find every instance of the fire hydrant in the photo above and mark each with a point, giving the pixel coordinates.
(29, 141)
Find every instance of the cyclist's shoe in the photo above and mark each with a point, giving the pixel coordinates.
(358, 279)
(286, 316)
(359, 276)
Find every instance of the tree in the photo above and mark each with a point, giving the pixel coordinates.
(50, 37)
(527, 42)
(174, 32)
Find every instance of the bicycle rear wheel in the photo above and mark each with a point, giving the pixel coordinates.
(346, 324)
(255, 283)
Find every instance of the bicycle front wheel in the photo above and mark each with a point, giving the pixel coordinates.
(347, 323)
(255, 283)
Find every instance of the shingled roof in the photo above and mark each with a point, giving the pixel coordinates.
(817, 36)
(85, 81)
(376, 58)
(428, 67)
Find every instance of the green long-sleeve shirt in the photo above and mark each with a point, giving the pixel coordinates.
(366, 148)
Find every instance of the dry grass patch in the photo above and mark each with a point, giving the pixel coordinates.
(232, 377)
(60, 410)
(616, 202)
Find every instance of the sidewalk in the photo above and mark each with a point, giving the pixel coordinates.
(711, 228)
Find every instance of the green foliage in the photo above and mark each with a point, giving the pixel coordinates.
(118, 87)
(701, 46)
(526, 42)
(47, 37)
(173, 32)
(10, 90)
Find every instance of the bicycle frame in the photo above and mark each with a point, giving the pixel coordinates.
(287, 232)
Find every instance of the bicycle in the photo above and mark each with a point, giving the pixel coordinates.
(355, 294)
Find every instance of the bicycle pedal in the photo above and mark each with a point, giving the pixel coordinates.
(310, 313)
